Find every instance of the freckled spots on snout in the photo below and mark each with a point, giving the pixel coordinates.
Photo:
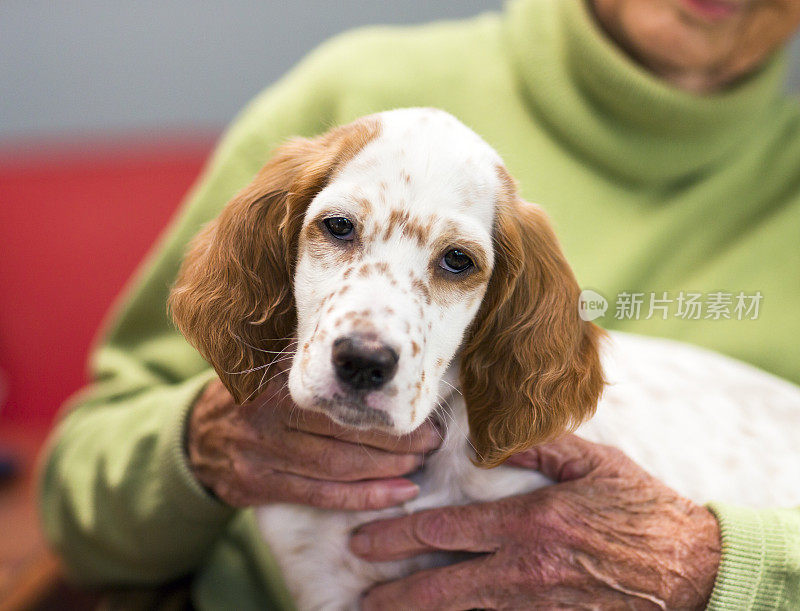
(414, 348)
(421, 288)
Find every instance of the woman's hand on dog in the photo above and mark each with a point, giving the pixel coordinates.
(269, 451)
(608, 535)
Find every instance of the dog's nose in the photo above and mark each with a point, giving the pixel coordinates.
(363, 362)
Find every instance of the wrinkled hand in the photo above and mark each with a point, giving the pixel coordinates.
(271, 451)
(608, 535)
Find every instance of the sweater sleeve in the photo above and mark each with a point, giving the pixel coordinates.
(117, 498)
(760, 566)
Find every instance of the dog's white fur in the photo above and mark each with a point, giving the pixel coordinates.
(710, 427)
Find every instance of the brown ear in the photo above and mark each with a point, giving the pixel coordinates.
(530, 367)
(233, 298)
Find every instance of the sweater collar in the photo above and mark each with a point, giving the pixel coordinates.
(613, 113)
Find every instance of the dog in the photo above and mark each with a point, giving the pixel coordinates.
(395, 261)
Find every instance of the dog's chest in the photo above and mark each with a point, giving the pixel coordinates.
(311, 545)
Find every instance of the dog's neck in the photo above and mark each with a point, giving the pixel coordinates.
(450, 415)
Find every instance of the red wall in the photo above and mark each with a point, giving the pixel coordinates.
(75, 220)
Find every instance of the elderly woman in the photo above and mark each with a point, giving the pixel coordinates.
(656, 134)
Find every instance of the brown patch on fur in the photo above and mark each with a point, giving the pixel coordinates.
(234, 288)
(397, 218)
(382, 267)
(421, 289)
(364, 207)
(530, 367)
(410, 227)
(416, 230)
(415, 399)
(415, 349)
(405, 177)
(439, 363)
(347, 273)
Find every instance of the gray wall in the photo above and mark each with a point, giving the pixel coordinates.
(80, 66)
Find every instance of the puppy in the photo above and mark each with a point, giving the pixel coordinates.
(394, 259)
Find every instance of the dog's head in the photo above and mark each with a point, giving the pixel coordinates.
(372, 257)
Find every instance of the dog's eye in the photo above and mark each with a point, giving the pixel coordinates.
(455, 261)
(340, 227)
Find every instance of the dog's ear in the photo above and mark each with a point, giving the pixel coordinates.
(233, 297)
(530, 367)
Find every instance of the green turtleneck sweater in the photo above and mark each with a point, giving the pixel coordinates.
(651, 190)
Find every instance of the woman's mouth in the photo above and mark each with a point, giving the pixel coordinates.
(713, 10)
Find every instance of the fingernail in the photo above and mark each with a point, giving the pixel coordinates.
(402, 490)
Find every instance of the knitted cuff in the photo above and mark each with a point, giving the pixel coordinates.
(753, 569)
(181, 487)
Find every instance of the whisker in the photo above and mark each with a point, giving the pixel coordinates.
(261, 349)
(260, 384)
(451, 386)
(235, 373)
(458, 426)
